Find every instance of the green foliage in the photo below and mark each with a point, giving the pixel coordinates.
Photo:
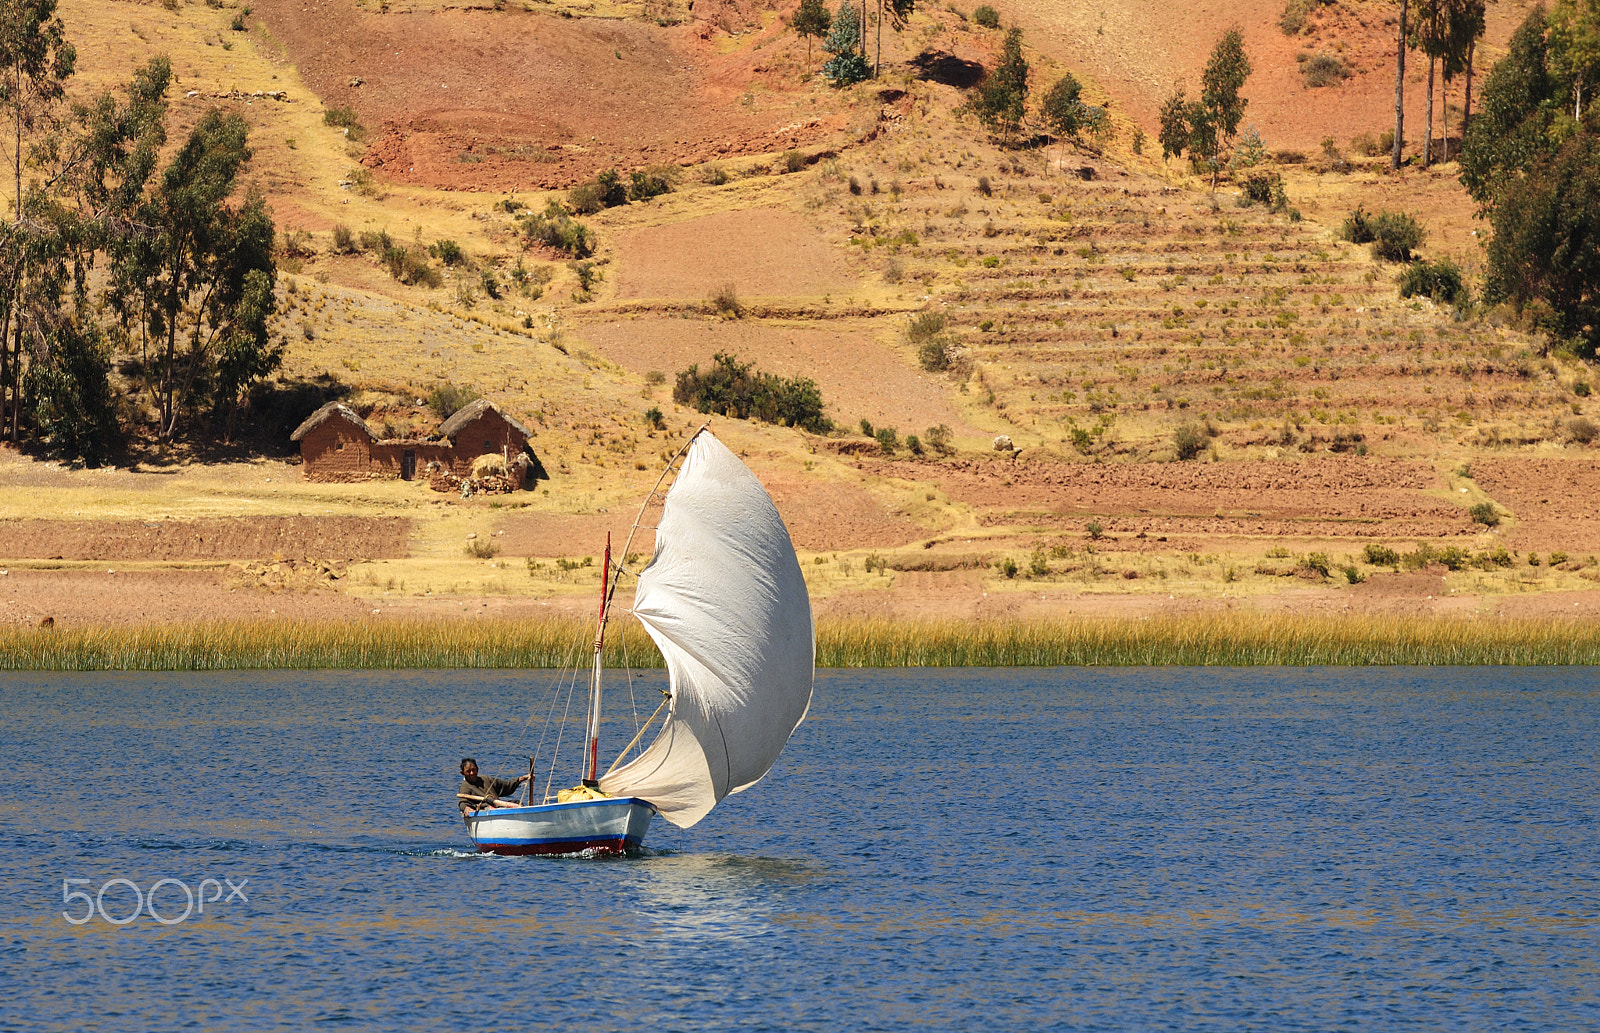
(735, 389)
(811, 20)
(1393, 235)
(1001, 99)
(447, 399)
(184, 288)
(1265, 188)
(557, 230)
(938, 348)
(1063, 108)
(652, 182)
(847, 66)
(1484, 513)
(1008, 567)
(1441, 281)
(69, 388)
(1220, 83)
(1382, 556)
(888, 440)
(1512, 128)
(409, 265)
(986, 16)
(1544, 256)
(939, 439)
(446, 251)
(1189, 440)
(345, 118)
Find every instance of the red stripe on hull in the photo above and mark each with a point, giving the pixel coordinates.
(608, 847)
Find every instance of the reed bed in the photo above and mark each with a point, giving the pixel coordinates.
(1233, 640)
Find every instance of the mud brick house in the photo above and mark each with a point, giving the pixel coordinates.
(337, 445)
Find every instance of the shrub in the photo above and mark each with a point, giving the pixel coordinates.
(888, 440)
(732, 388)
(984, 186)
(447, 251)
(1382, 556)
(792, 161)
(866, 427)
(555, 229)
(654, 419)
(725, 301)
(482, 549)
(1189, 440)
(1366, 145)
(344, 242)
(1009, 567)
(914, 443)
(1393, 235)
(938, 439)
(447, 399)
(1581, 429)
(986, 16)
(1095, 529)
(1439, 280)
(715, 175)
(938, 349)
(1484, 513)
(410, 266)
(344, 118)
(1265, 188)
(1321, 70)
(652, 182)
(1296, 16)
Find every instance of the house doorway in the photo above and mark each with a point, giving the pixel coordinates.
(408, 465)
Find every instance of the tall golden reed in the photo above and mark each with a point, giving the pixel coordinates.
(1225, 640)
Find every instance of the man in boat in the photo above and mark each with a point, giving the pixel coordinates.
(477, 791)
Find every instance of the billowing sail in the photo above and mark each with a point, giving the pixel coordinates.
(724, 600)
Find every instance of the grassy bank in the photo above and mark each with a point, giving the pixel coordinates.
(1232, 640)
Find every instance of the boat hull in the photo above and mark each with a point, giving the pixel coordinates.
(590, 827)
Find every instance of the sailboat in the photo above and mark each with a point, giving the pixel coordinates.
(724, 600)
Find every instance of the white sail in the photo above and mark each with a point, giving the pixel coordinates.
(724, 600)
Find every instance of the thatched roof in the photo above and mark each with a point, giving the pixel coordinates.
(471, 411)
(328, 412)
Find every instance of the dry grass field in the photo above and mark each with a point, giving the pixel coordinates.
(1103, 302)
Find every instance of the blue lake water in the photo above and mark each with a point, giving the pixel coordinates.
(1066, 849)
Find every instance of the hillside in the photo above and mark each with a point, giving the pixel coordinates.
(1101, 304)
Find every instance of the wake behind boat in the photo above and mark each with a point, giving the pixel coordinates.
(724, 600)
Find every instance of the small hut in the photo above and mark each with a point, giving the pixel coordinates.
(335, 444)
(480, 428)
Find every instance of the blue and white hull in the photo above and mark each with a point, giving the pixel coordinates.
(594, 827)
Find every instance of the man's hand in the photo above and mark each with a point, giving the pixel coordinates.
(521, 779)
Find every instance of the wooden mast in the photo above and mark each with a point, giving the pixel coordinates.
(591, 772)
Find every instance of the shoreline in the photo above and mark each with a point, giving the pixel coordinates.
(1201, 640)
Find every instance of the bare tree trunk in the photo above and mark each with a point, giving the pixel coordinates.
(1399, 90)
(1466, 104)
(878, 61)
(1427, 139)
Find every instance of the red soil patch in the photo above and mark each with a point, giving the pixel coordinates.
(761, 252)
(859, 377)
(1551, 501)
(480, 99)
(1318, 497)
(341, 538)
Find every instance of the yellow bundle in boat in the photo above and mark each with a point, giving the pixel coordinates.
(579, 793)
